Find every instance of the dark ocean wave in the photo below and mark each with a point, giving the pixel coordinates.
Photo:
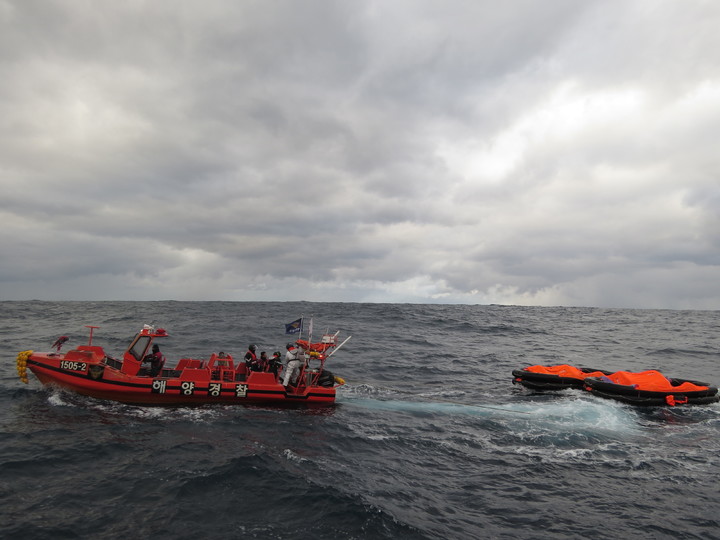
(429, 438)
(684, 352)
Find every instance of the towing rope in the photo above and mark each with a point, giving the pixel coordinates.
(407, 392)
(21, 362)
(482, 406)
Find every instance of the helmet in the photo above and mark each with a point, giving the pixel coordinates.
(289, 345)
(276, 353)
(252, 347)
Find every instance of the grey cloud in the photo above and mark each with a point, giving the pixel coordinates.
(556, 153)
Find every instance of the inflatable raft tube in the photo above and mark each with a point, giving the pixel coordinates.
(552, 378)
(651, 389)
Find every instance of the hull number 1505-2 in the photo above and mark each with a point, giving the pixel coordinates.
(73, 366)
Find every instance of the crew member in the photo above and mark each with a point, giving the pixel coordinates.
(156, 360)
(274, 363)
(251, 360)
(263, 362)
(294, 359)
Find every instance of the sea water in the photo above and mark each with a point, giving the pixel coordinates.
(429, 437)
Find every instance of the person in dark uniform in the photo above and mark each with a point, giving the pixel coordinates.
(274, 363)
(263, 362)
(156, 361)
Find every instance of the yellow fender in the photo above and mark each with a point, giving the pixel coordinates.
(339, 380)
(21, 362)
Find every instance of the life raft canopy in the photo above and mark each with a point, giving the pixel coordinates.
(565, 370)
(653, 381)
(558, 377)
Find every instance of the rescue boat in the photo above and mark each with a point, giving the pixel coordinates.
(219, 379)
(651, 388)
(551, 378)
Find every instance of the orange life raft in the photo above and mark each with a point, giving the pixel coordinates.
(651, 388)
(556, 377)
(646, 388)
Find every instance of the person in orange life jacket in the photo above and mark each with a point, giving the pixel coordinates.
(156, 360)
(294, 358)
(251, 360)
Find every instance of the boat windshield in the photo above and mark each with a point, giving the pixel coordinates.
(139, 347)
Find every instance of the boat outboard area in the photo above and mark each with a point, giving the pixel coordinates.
(142, 376)
(645, 388)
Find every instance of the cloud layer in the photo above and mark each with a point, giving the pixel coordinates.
(556, 153)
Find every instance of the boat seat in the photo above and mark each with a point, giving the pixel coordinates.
(222, 374)
(188, 363)
(241, 372)
(221, 367)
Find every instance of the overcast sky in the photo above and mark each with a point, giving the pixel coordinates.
(560, 152)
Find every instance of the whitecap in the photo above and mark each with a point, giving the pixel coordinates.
(292, 456)
(56, 398)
